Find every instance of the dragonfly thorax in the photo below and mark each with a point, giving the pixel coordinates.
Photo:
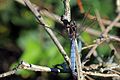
(72, 29)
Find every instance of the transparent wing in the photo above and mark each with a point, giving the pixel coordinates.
(88, 21)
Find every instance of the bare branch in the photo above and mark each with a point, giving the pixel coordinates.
(32, 67)
(111, 25)
(8, 73)
(67, 12)
(99, 20)
(101, 74)
(78, 63)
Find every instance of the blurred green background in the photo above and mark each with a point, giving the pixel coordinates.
(22, 39)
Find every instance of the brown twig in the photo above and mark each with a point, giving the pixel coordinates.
(100, 74)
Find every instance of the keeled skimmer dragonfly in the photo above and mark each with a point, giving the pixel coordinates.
(72, 30)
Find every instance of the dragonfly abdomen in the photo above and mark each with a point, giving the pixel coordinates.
(72, 56)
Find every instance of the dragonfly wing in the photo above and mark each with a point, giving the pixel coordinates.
(79, 46)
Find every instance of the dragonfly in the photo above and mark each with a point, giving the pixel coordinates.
(72, 31)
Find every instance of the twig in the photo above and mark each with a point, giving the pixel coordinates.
(89, 46)
(111, 25)
(91, 51)
(97, 33)
(89, 78)
(78, 63)
(100, 74)
(32, 67)
(67, 12)
(8, 73)
(99, 20)
(49, 31)
(51, 16)
(108, 22)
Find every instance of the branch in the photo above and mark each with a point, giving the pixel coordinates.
(67, 12)
(101, 74)
(111, 25)
(32, 67)
(8, 73)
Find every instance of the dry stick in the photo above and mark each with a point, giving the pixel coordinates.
(111, 25)
(100, 74)
(89, 46)
(108, 22)
(99, 20)
(89, 78)
(51, 16)
(49, 31)
(32, 67)
(78, 63)
(97, 33)
(67, 12)
(110, 66)
(97, 57)
(8, 73)
(117, 72)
